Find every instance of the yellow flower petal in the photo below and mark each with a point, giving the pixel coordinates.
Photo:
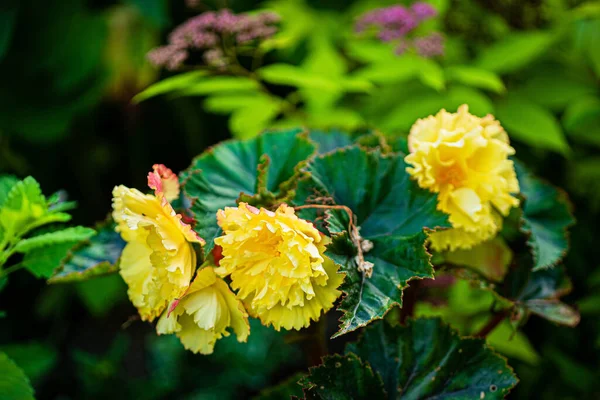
(276, 262)
(464, 159)
(203, 315)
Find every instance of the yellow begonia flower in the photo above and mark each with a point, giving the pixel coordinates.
(277, 262)
(158, 261)
(203, 315)
(464, 159)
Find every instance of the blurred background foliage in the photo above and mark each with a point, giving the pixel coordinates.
(68, 73)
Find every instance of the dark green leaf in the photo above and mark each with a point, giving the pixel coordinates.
(218, 177)
(6, 183)
(98, 256)
(14, 384)
(391, 212)
(42, 261)
(546, 218)
(36, 359)
(8, 18)
(331, 140)
(284, 390)
(343, 377)
(427, 360)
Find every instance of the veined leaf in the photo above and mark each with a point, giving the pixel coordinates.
(343, 377)
(24, 204)
(74, 234)
(42, 261)
(546, 218)
(14, 384)
(96, 257)
(169, 85)
(391, 211)
(539, 292)
(220, 176)
(331, 140)
(426, 359)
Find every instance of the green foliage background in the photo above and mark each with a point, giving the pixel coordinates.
(68, 73)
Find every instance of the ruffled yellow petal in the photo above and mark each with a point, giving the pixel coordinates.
(158, 260)
(464, 159)
(203, 315)
(276, 263)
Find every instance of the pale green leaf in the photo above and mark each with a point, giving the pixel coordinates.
(291, 75)
(24, 204)
(475, 77)
(74, 234)
(249, 121)
(528, 122)
(514, 52)
(431, 74)
(228, 103)
(219, 85)
(170, 85)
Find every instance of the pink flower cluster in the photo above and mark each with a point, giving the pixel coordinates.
(209, 32)
(395, 23)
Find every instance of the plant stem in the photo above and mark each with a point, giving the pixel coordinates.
(496, 319)
(4, 273)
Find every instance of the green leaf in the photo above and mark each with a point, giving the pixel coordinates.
(100, 295)
(426, 359)
(285, 390)
(291, 75)
(431, 74)
(6, 183)
(331, 140)
(532, 124)
(394, 70)
(42, 261)
(538, 292)
(391, 212)
(173, 84)
(57, 202)
(249, 121)
(546, 218)
(228, 103)
(220, 176)
(8, 18)
(581, 120)
(476, 77)
(514, 52)
(490, 259)
(74, 234)
(36, 359)
(555, 89)
(219, 85)
(96, 257)
(14, 384)
(24, 204)
(343, 377)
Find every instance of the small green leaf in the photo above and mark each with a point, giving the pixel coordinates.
(490, 259)
(24, 204)
(343, 377)
(74, 234)
(291, 75)
(514, 52)
(36, 359)
(219, 85)
(218, 177)
(14, 384)
(431, 74)
(476, 77)
(173, 84)
(532, 124)
(369, 183)
(426, 359)
(96, 257)
(6, 183)
(546, 218)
